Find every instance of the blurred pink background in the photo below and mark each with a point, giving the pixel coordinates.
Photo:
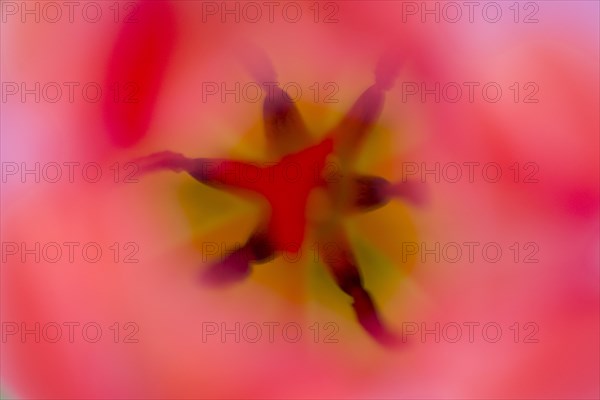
(169, 51)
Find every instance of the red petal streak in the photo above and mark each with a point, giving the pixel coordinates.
(135, 71)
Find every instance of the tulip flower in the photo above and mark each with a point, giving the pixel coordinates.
(300, 200)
